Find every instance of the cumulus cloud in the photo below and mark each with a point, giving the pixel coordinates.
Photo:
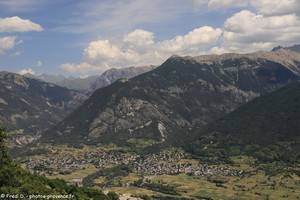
(139, 48)
(264, 7)
(268, 24)
(79, 68)
(7, 43)
(17, 24)
(192, 42)
(251, 31)
(276, 7)
(26, 71)
(140, 38)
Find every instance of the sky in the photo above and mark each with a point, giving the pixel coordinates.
(80, 38)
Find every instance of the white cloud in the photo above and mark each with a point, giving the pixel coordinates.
(16, 24)
(268, 24)
(218, 50)
(7, 43)
(105, 53)
(139, 48)
(193, 41)
(81, 68)
(276, 7)
(248, 31)
(264, 7)
(26, 71)
(139, 38)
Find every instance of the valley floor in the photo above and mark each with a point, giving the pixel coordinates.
(170, 174)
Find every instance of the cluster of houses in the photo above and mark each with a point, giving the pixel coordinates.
(177, 162)
(101, 159)
(168, 162)
(53, 165)
(67, 163)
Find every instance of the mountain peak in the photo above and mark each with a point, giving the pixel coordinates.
(182, 93)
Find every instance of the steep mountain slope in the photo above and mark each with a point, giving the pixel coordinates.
(181, 94)
(267, 127)
(112, 75)
(30, 106)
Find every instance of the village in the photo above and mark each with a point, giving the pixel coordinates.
(172, 163)
(168, 162)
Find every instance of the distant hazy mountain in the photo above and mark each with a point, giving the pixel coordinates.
(80, 84)
(267, 128)
(181, 94)
(295, 48)
(112, 75)
(91, 83)
(30, 106)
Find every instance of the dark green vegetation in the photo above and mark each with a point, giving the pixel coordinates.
(16, 181)
(109, 174)
(267, 128)
(159, 186)
(183, 93)
(29, 106)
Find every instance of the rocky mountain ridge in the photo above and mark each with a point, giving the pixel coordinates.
(29, 106)
(91, 83)
(182, 94)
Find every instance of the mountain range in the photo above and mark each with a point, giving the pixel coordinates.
(182, 94)
(228, 122)
(91, 83)
(30, 104)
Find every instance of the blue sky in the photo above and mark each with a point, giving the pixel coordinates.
(74, 37)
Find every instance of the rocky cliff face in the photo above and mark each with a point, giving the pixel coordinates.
(182, 94)
(29, 106)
